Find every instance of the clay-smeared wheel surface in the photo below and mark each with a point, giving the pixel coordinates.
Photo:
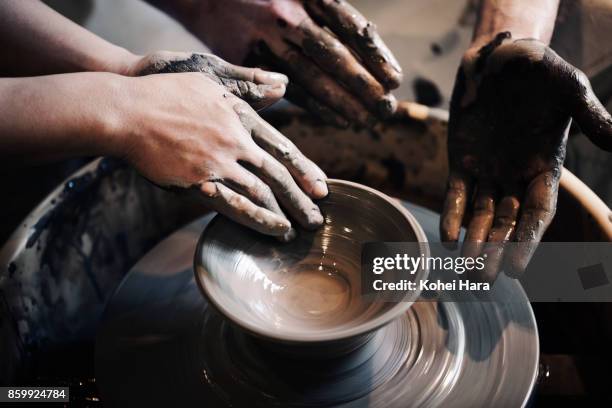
(161, 344)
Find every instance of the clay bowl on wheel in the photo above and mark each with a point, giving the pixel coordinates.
(308, 291)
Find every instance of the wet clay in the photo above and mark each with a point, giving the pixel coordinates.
(361, 35)
(315, 291)
(260, 171)
(236, 80)
(510, 115)
(300, 97)
(309, 288)
(333, 57)
(339, 62)
(315, 84)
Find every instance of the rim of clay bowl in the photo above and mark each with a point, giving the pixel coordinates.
(361, 329)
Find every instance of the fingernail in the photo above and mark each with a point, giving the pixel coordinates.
(320, 189)
(395, 65)
(272, 88)
(276, 77)
(289, 236)
(394, 79)
(514, 268)
(283, 225)
(315, 218)
(387, 106)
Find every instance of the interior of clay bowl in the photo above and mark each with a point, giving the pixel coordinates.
(307, 290)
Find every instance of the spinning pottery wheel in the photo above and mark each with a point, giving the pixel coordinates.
(160, 342)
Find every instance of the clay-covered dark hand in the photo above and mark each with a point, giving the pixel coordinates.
(188, 132)
(338, 65)
(258, 87)
(511, 111)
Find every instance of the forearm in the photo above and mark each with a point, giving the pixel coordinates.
(61, 116)
(523, 18)
(36, 40)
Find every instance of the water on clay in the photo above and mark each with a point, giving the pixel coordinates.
(314, 292)
(309, 292)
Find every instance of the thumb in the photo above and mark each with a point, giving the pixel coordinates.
(260, 88)
(592, 117)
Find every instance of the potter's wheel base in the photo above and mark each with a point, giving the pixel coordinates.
(401, 355)
(161, 344)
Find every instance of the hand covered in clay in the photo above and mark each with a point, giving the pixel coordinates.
(188, 132)
(511, 110)
(337, 63)
(257, 87)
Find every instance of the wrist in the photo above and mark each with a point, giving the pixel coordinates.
(116, 124)
(522, 18)
(134, 114)
(486, 38)
(117, 61)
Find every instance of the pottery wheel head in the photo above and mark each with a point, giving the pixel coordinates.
(307, 290)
